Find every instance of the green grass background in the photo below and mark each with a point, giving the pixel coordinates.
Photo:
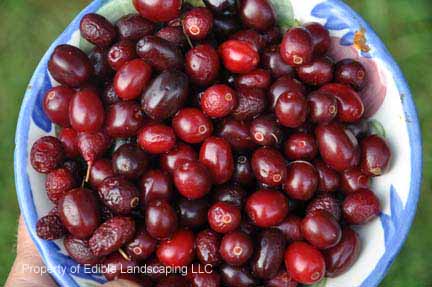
(27, 27)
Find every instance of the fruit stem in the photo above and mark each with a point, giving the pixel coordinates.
(123, 253)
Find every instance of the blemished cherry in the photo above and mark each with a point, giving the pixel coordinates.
(207, 247)
(236, 248)
(192, 179)
(197, 23)
(86, 112)
(69, 139)
(297, 47)
(131, 79)
(120, 53)
(352, 180)
(257, 14)
(58, 182)
(118, 194)
(258, 78)
(97, 30)
(192, 125)
(133, 27)
(329, 179)
(100, 170)
(180, 154)
(267, 207)
(218, 101)
(202, 64)
(155, 184)
(46, 154)
(305, 263)
(179, 250)
(56, 105)
(238, 56)
(216, 155)
(284, 84)
(224, 217)
(193, 213)
(250, 36)
(156, 138)
(301, 180)
(291, 109)
(321, 229)
(360, 207)
(326, 202)
(158, 11)
(266, 131)
(300, 146)
(160, 219)
(174, 35)
(269, 166)
(93, 145)
(236, 133)
(129, 161)
(123, 119)
(272, 61)
(320, 38)
(251, 103)
(322, 107)
(79, 250)
(375, 155)
(316, 73)
(351, 72)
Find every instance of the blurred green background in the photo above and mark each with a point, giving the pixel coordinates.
(27, 27)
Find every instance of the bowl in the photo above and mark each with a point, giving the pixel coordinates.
(389, 108)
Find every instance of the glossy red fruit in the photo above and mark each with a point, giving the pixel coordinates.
(58, 182)
(320, 38)
(197, 23)
(316, 73)
(375, 155)
(46, 154)
(99, 59)
(111, 235)
(321, 229)
(141, 246)
(350, 104)
(300, 146)
(156, 138)
(266, 131)
(282, 279)
(322, 107)
(231, 193)
(329, 179)
(121, 53)
(93, 145)
(118, 194)
(174, 35)
(269, 166)
(352, 180)
(155, 184)
(301, 180)
(97, 30)
(282, 85)
(207, 247)
(351, 72)
(158, 11)
(79, 212)
(86, 112)
(179, 250)
(192, 126)
(326, 202)
(236, 248)
(221, 6)
(360, 207)
(100, 170)
(251, 103)
(216, 155)
(202, 64)
(109, 96)
(192, 179)
(236, 133)
(203, 276)
(297, 47)
(338, 146)
(341, 257)
(237, 276)
(192, 213)
(123, 119)
(218, 101)
(243, 173)
(177, 156)
(258, 78)
(291, 228)
(250, 36)
(70, 66)
(305, 263)
(160, 219)
(56, 104)
(131, 79)
(224, 217)
(238, 56)
(80, 251)
(129, 161)
(291, 109)
(272, 61)
(69, 139)
(257, 14)
(133, 27)
(49, 227)
(267, 207)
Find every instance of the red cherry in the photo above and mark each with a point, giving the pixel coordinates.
(301, 181)
(191, 125)
(192, 179)
(321, 229)
(56, 105)
(86, 112)
(177, 251)
(291, 109)
(238, 56)
(224, 217)
(158, 11)
(156, 138)
(216, 155)
(218, 101)
(297, 47)
(267, 207)
(131, 79)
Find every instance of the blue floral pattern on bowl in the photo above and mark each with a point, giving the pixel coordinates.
(389, 103)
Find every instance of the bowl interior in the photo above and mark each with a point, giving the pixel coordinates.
(389, 107)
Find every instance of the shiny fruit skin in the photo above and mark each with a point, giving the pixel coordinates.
(250, 36)
(202, 64)
(296, 48)
(320, 38)
(133, 27)
(118, 194)
(266, 131)
(131, 79)
(291, 109)
(282, 279)
(251, 103)
(100, 170)
(236, 248)
(79, 212)
(236, 276)
(129, 161)
(282, 85)
(70, 66)
(158, 11)
(338, 146)
(160, 219)
(352, 73)
(375, 155)
(216, 155)
(238, 56)
(301, 180)
(218, 101)
(123, 119)
(121, 53)
(257, 14)
(174, 35)
(329, 179)
(291, 228)
(56, 105)
(267, 207)
(352, 180)
(224, 217)
(243, 173)
(192, 179)
(197, 23)
(99, 59)
(236, 133)
(207, 247)
(93, 145)
(323, 107)
(86, 112)
(179, 250)
(321, 229)
(141, 246)
(300, 146)
(317, 73)
(69, 139)
(271, 60)
(230, 193)
(361, 207)
(192, 125)
(177, 156)
(155, 184)
(97, 30)
(114, 265)
(192, 213)
(258, 78)
(156, 138)
(269, 166)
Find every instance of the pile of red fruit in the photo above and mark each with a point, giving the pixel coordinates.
(188, 138)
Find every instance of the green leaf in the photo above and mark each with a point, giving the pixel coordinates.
(284, 12)
(376, 128)
(322, 283)
(196, 3)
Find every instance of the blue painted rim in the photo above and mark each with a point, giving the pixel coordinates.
(25, 197)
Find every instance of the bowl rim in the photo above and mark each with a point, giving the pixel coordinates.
(25, 196)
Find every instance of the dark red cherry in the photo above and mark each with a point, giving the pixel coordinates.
(93, 145)
(350, 72)
(272, 36)
(155, 184)
(100, 170)
(160, 219)
(305, 263)
(282, 279)
(202, 64)
(297, 47)
(118, 194)
(257, 14)
(258, 78)
(224, 217)
(326, 202)
(338, 146)
(243, 173)
(56, 105)
(50, 227)
(158, 11)
(113, 266)
(320, 38)
(329, 179)
(69, 139)
(301, 180)
(291, 228)
(221, 6)
(316, 73)
(216, 155)
(179, 250)
(203, 276)
(291, 109)
(141, 246)
(192, 126)
(176, 157)
(174, 35)
(156, 138)
(267, 208)
(123, 119)
(282, 85)
(269, 166)
(70, 66)
(322, 107)
(129, 161)
(236, 133)
(360, 207)
(193, 213)
(375, 155)
(352, 180)
(321, 229)
(97, 30)
(272, 61)
(207, 247)
(218, 101)
(197, 23)
(109, 95)
(266, 131)
(58, 182)
(236, 248)
(238, 56)
(250, 36)
(192, 179)
(133, 27)
(120, 53)
(300, 146)
(225, 26)
(99, 59)
(237, 276)
(131, 79)
(231, 193)
(86, 112)
(251, 103)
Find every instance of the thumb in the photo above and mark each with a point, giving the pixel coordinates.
(121, 283)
